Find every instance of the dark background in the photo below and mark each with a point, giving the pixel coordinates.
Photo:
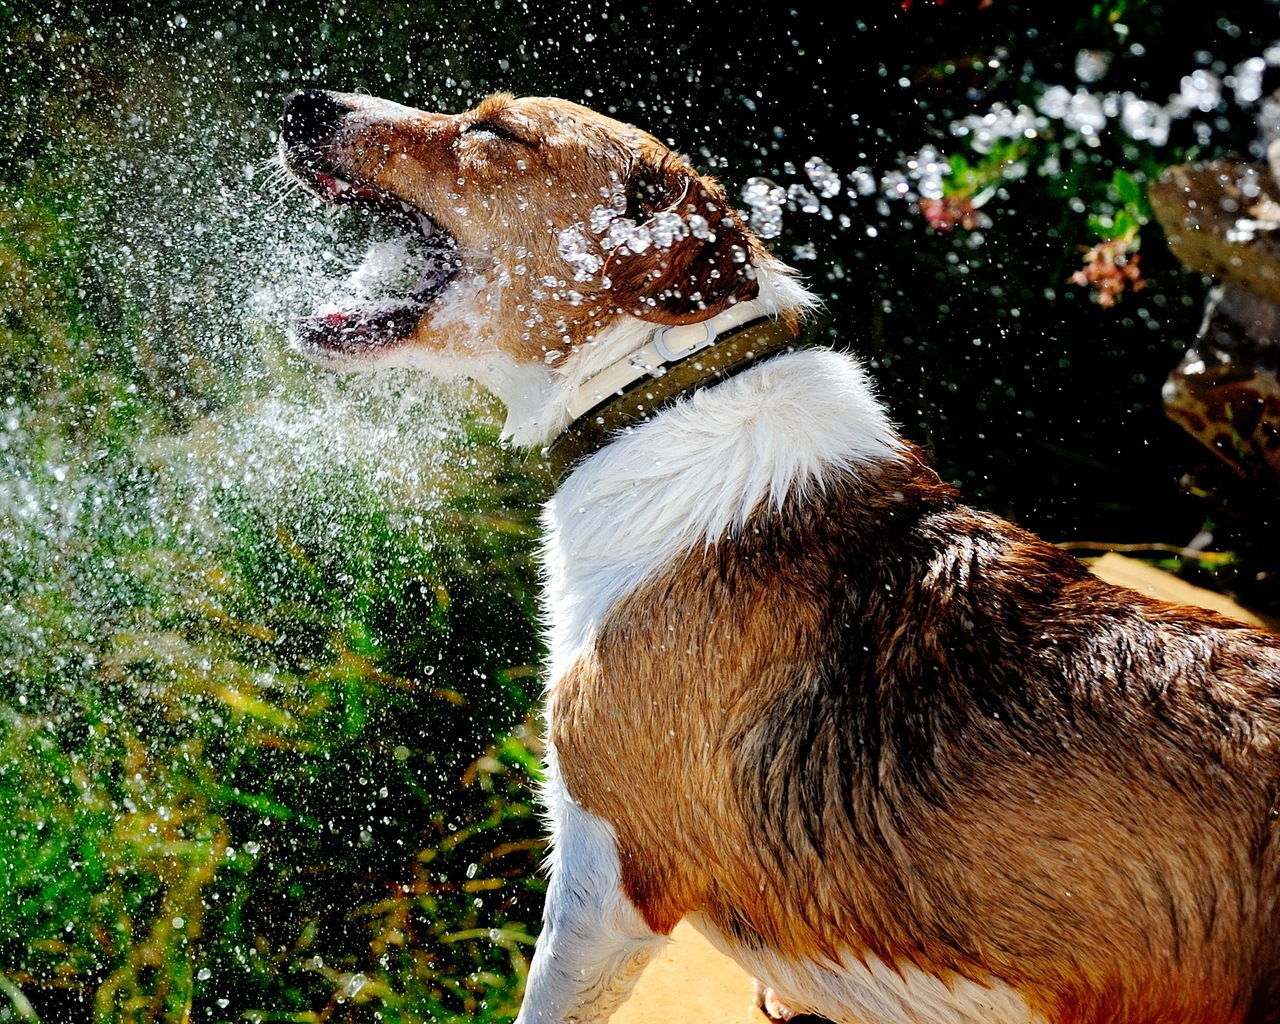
(1050, 414)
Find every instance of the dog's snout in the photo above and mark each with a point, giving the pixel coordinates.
(310, 117)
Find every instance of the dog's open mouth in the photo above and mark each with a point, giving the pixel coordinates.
(383, 321)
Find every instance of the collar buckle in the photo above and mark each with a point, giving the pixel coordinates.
(694, 337)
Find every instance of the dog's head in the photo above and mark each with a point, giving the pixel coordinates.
(546, 224)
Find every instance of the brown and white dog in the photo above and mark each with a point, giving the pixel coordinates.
(899, 758)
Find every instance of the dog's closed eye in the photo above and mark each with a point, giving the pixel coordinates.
(494, 130)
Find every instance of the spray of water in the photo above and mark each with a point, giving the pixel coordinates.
(241, 600)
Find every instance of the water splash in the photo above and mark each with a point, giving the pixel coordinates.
(863, 182)
(1000, 122)
(803, 198)
(927, 168)
(1247, 80)
(1081, 111)
(1143, 120)
(577, 250)
(1092, 65)
(1084, 114)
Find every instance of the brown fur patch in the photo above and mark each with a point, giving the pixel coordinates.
(882, 723)
(697, 276)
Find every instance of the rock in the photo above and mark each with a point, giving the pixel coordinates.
(1226, 392)
(1221, 219)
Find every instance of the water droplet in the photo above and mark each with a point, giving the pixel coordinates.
(1248, 80)
(1144, 121)
(1080, 110)
(1201, 90)
(765, 198)
(895, 185)
(620, 231)
(577, 250)
(1002, 122)
(863, 180)
(599, 219)
(1092, 65)
(824, 179)
(699, 227)
(666, 228)
(803, 198)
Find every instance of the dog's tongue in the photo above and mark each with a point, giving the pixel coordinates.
(353, 330)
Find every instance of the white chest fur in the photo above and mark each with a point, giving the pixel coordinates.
(695, 473)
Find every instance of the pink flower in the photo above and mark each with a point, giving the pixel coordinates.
(944, 214)
(1109, 268)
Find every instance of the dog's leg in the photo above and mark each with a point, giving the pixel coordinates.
(594, 943)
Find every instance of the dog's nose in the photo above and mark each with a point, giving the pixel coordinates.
(310, 116)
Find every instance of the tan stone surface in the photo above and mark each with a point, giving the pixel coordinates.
(1214, 227)
(694, 983)
(1128, 572)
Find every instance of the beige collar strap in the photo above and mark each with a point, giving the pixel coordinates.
(677, 361)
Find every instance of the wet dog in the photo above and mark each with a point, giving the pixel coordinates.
(899, 758)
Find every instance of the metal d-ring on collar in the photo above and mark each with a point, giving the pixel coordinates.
(660, 341)
(658, 374)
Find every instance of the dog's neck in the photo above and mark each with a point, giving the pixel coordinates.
(675, 364)
(544, 401)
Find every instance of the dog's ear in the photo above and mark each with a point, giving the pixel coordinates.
(691, 257)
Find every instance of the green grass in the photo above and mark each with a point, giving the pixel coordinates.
(265, 672)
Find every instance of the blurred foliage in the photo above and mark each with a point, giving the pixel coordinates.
(265, 637)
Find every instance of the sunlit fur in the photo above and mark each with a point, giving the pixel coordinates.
(900, 758)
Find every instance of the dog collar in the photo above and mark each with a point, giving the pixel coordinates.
(678, 361)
